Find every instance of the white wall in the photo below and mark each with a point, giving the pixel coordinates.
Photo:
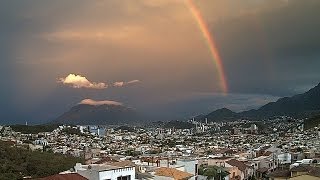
(284, 158)
(113, 174)
(189, 166)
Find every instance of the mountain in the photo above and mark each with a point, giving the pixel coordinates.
(223, 114)
(105, 114)
(218, 115)
(301, 105)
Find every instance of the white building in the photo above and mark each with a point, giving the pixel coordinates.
(284, 158)
(105, 172)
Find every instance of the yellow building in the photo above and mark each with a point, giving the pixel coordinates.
(297, 173)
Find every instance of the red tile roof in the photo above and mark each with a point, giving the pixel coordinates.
(72, 176)
(240, 165)
(173, 173)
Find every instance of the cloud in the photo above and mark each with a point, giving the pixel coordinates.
(118, 84)
(101, 34)
(78, 81)
(121, 83)
(99, 103)
(133, 81)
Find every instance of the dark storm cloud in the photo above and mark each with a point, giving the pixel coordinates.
(272, 52)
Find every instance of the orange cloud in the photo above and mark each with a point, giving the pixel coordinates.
(99, 103)
(121, 83)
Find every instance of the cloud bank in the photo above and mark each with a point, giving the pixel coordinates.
(78, 81)
(99, 103)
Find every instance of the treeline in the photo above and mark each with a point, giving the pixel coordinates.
(34, 129)
(179, 125)
(17, 162)
(312, 122)
(71, 131)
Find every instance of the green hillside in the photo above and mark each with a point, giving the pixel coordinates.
(17, 162)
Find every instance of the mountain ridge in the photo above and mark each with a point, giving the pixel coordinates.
(300, 106)
(106, 114)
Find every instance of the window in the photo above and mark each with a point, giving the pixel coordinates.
(124, 178)
(196, 168)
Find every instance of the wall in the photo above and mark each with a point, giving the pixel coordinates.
(305, 177)
(113, 174)
(236, 172)
(218, 161)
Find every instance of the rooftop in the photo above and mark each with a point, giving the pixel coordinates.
(72, 176)
(173, 173)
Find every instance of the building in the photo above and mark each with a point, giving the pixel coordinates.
(105, 172)
(218, 161)
(301, 172)
(238, 170)
(70, 176)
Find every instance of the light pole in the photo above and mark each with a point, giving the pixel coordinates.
(219, 172)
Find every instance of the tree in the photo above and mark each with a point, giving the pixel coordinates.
(299, 149)
(212, 172)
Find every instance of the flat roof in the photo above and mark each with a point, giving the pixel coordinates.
(104, 167)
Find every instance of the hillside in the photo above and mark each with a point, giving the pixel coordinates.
(299, 106)
(34, 129)
(223, 114)
(19, 162)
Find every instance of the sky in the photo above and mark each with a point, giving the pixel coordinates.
(153, 56)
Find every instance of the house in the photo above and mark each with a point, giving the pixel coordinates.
(105, 172)
(305, 177)
(284, 158)
(296, 156)
(266, 162)
(218, 161)
(238, 170)
(301, 172)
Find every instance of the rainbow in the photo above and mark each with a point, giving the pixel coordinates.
(211, 44)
